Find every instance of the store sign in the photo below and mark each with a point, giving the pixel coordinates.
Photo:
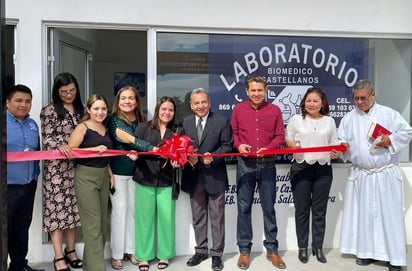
(290, 66)
(182, 62)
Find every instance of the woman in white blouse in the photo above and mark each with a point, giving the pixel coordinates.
(311, 172)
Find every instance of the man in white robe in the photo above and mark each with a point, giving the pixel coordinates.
(373, 217)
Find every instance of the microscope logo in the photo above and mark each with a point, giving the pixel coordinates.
(287, 98)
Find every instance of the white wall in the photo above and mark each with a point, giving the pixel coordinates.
(321, 17)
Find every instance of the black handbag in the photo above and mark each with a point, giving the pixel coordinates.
(177, 176)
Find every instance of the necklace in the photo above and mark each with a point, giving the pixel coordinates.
(314, 123)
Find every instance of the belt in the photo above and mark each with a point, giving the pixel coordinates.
(261, 160)
(374, 170)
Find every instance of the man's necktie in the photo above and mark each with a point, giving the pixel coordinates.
(199, 129)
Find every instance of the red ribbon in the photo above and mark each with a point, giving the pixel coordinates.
(177, 148)
(55, 154)
(341, 148)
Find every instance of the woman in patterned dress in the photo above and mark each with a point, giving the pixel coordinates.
(60, 213)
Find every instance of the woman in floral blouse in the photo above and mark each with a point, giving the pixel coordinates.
(60, 214)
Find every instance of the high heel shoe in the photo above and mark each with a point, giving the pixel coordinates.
(75, 263)
(58, 260)
(303, 255)
(319, 255)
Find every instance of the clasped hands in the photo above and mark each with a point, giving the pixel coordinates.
(207, 159)
(245, 148)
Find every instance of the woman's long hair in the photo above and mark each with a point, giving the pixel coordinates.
(63, 79)
(92, 99)
(154, 123)
(324, 109)
(138, 110)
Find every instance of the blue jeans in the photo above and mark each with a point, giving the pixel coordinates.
(249, 174)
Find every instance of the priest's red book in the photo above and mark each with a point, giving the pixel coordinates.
(376, 130)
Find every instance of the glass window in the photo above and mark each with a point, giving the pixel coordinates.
(182, 65)
(221, 63)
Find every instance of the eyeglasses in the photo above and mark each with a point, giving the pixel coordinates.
(362, 98)
(67, 92)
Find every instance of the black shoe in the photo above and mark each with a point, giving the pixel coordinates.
(60, 260)
(319, 255)
(217, 264)
(75, 263)
(394, 268)
(363, 262)
(196, 259)
(303, 255)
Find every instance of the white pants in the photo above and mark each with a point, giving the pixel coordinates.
(122, 218)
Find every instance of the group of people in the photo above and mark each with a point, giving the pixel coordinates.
(140, 186)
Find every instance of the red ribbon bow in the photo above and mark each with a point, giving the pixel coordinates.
(177, 148)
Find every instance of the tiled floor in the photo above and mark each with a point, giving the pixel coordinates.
(336, 262)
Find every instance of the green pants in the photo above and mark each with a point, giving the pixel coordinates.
(155, 207)
(92, 192)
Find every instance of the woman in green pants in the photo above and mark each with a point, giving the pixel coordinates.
(154, 204)
(92, 180)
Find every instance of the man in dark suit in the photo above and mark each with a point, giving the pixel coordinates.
(205, 178)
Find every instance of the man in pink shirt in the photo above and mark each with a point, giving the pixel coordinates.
(257, 125)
